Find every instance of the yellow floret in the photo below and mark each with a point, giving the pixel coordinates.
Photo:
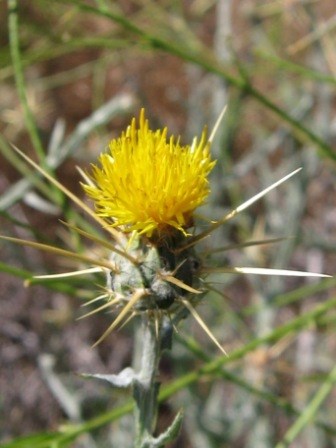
(148, 182)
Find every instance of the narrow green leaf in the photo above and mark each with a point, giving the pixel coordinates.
(204, 58)
(13, 27)
(310, 411)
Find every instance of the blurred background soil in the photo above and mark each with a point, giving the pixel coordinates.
(36, 322)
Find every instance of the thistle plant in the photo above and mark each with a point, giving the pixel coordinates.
(145, 191)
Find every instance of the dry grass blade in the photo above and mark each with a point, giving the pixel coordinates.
(181, 284)
(202, 324)
(262, 271)
(102, 242)
(246, 244)
(100, 308)
(69, 274)
(217, 124)
(96, 299)
(133, 300)
(62, 252)
(95, 311)
(193, 240)
(130, 317)
(86, 178)
(70, 195)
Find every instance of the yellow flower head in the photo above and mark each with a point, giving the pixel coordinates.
(148, 182)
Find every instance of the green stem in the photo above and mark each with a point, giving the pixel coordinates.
(207, 371)
(201, 56)
(14, 44)
(310, 410)
(146, 386)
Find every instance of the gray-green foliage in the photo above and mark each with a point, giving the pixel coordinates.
(265, 336)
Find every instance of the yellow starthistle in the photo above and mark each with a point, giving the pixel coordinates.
(148, 182)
